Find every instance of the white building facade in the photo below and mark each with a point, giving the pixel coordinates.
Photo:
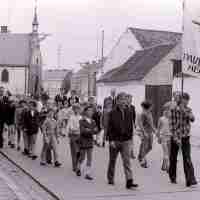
(21, 60)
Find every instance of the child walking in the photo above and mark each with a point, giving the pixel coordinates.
(164, 138)
(146, 127)
(50, 138)
(88, 128)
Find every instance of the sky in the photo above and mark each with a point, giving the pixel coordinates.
(76, 25)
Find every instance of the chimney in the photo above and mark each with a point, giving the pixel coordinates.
(4, 29)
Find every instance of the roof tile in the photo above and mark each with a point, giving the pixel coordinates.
(138, 65)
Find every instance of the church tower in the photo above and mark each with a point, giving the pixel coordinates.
(35, 68)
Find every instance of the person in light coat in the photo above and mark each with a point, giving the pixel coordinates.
(73, 130)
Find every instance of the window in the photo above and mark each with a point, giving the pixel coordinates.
(177, 68)
(5, 76)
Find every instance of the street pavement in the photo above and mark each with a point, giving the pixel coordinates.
(9, 189)
(153, 183)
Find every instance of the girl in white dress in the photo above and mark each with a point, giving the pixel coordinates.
(164, 137)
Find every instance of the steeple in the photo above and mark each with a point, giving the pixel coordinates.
(35, 23)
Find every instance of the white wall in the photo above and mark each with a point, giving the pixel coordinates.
(162, 74)
(52, 86)
(16, 82)
(122, 51)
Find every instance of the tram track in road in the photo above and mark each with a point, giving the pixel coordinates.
(30, 188)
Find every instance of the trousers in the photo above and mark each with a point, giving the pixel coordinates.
(124, 148)
(187, 161)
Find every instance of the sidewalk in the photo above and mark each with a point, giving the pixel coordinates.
(153, 183)
(9, 190)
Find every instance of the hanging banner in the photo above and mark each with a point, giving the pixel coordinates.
(191, 38)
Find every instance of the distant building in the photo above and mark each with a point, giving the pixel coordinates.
(21, 60)
(84, 81)
(53, 79)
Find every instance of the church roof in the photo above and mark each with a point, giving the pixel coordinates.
(149, 38)
(14, 49)
(139, 65)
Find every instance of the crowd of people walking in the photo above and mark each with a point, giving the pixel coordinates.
(84, 122)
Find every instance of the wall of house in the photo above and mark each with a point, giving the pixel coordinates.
(162, 74)
(122, 51)
(137, 89)
(17, 77)
(52, 87)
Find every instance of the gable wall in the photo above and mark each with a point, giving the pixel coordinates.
(123, 50)
(162, 74)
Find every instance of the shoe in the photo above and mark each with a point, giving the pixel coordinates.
(111, 183)
(74, 170)
(34, 157)
(25, 152)
(173, 181)
(42, 163)
(9, 143)
(57, 164)
(88, 177)
(144, 165)
(49, 162)
(12, 146)
(193, 184)
(78, 172)
(130, 185)
(18, 148)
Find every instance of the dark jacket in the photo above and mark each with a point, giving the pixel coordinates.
(10, 114)
(133, 113)
(97, 116)
(120, 125)
(76, 100)
(3, 112)
(31, 123)
(87, 130)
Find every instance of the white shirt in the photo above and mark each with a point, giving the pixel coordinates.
(39, 106)
(164, 127)
(65, 113)
(73, 124)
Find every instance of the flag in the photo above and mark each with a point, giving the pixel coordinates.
(191, 38)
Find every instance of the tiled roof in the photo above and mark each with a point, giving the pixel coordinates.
(138, 66)
(149, 38)
(55, 74)
(14, 49)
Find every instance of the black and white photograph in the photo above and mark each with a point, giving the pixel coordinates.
(99, 99)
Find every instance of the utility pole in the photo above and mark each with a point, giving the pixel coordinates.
(102, 52)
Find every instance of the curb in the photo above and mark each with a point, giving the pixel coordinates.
(30, 176)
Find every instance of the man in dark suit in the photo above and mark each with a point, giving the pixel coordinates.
(120, 132)
(131, 107)
(2, 116)
(31, 127)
